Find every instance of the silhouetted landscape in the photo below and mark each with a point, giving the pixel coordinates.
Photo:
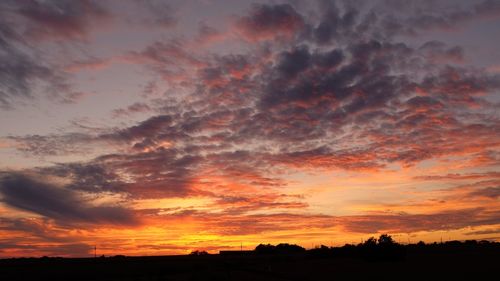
(229, 139)
(374, 259)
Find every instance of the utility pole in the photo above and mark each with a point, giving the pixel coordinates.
(95, 251)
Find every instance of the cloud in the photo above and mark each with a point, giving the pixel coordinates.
(208, 35)
(236, 224)
(347, 22)
(335, 23)
(451, 18)
(292, 63)
(18, 70)
(88, 64)
(43, 198)
(150, 127)
(157, 174)
(51, 145)
(87, 177)
(160, 13)
(265, 225)
(414, 18)
(35, 237)
(35, 229)
(308, 102)
(24, 71)
(435, 50)
(267, 22)
(163, 54)
(482, 232)
(54, 250)
(138, 107)
(345, 93)
(489, 192)
(445, 220)
(60, 19)
(470, 176)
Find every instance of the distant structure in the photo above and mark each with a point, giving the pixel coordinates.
(236, 253)
(95, 251)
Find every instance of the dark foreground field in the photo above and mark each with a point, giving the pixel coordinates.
(424, 263)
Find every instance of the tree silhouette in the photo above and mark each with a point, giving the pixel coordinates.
(370, 242)
(283, 248)
(385, 239)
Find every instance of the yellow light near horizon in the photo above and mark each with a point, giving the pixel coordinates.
(165, 203)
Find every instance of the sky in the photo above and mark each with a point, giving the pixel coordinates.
(164, 127)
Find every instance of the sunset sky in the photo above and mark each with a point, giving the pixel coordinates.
(163, 127)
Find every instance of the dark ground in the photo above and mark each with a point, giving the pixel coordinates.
(463, 263)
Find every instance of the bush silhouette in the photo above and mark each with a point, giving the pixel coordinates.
(382, 249)
(198, 253)
(283, 248)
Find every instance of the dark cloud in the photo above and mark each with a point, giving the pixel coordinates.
(368, 90)
(18, 70)
(149, 127)
(155, 174)
(489, 192)
(270, 21)
(65, 206)
(23, 68)
(60, 19)
(351, 21)
(292, 63)
(334, 23)
(329, 59)
(424, 103)
(88, 177)
(305, 91)
(305, 97)
(436, 50)
(324, 157)
(413, 18)
(451, 18)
